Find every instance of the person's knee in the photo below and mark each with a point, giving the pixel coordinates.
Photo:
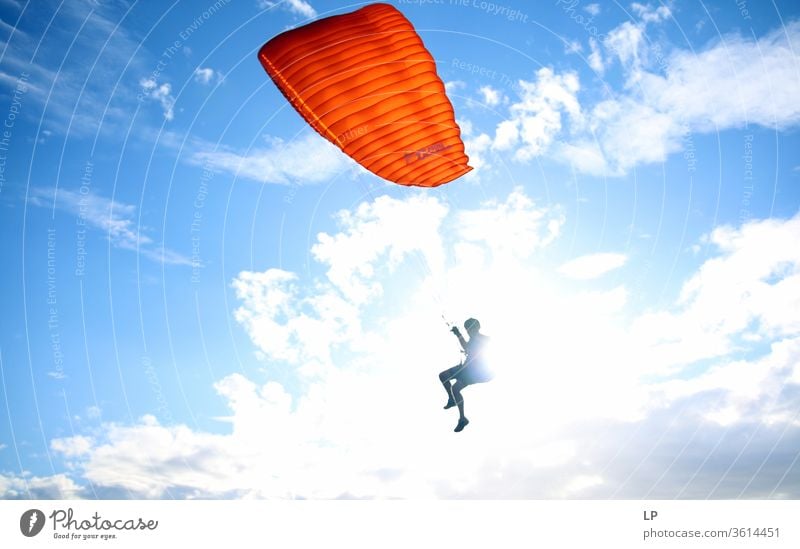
(448, 374)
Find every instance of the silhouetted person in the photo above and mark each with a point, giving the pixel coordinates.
(472, 370)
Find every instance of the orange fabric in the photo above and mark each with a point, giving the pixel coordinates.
(365, 82)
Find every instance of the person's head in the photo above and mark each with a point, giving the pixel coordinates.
(472, 326)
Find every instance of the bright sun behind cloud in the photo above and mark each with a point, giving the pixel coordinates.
(574, 367)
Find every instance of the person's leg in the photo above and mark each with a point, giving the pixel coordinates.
(458, 386)
(445, 378)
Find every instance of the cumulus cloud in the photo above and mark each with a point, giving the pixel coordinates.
(709, 90)
(747, 390)
(537, 118)
(491, 96)
(380, 230)
(514, 226)
(626, 41)
(73, 446)
(749, 292)
(712, 89)
(289, 324)
(205, 75)
(476, 147)
(650, 14)
(161, 93)
(592, 402)
(289, 327)
(28, 486)
(596, 57)
(668, 93)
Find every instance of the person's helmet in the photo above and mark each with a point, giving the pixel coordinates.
(471, 323)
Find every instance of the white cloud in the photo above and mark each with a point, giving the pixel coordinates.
(491, 96)
(73, 446)
(322, 443)
(581, 483)
(576, 410)
(115, 218)
(376, 230)
(709, 90)
(264, 297)
(585, 156)
(288, 322)
(592, 266)
(626, 41)
(506, 135)
(667, 95)
(592, 9)
(572, 47)
(752, 287)
(29, 486)
(514, 227)
(595, 57)
(649, 14)
(454, 85)
(630, 133)
(537, 118)
(476, 147)
(162, 93)
(289, 327)
(298, 7)
(205, 75)
(715, 90)
(282, 162)
(748, 389)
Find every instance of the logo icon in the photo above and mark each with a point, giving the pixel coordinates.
(31, 522)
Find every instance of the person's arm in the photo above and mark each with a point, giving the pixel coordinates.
(461, 339)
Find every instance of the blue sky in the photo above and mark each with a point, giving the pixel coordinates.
(203, 298)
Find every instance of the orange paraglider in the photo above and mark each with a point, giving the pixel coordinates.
(365, 82)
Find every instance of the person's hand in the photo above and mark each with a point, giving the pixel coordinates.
(454, 329)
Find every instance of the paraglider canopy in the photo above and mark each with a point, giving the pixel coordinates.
(365, 82)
